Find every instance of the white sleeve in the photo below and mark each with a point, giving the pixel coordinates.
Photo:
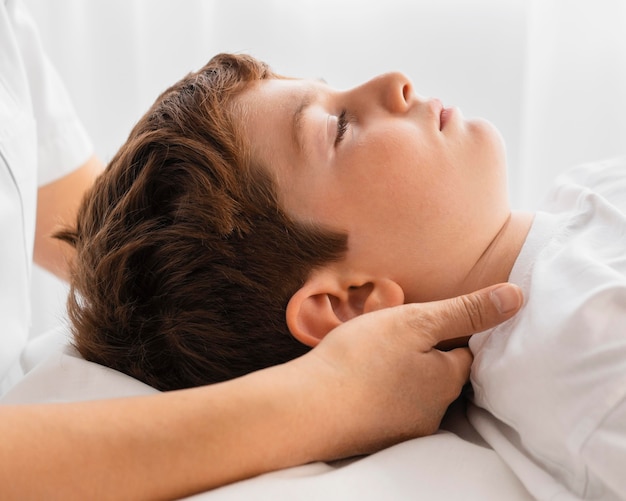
(63, 144)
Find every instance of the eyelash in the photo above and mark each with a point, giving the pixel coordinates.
(342, 126)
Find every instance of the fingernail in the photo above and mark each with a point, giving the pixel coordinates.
(506, 298)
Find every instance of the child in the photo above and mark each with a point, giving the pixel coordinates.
(242, 198)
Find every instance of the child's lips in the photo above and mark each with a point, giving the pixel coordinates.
(444, 117)
(440, 112)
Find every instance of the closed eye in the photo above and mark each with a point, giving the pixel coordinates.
(342, 127)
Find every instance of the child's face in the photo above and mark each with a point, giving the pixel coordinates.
(420, 191)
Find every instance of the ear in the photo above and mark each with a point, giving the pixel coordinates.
(325, 301)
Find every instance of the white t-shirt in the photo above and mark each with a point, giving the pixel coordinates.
(550, 384)
(41, 140)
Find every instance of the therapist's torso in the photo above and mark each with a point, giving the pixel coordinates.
(18, 191)
(41, 139)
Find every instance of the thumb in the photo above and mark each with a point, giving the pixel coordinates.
(450, 322)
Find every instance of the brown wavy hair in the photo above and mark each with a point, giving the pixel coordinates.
(184, 260)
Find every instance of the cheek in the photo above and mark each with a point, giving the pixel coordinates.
(392, 176)
(391, 155)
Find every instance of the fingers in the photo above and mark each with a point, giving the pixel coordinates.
(446, 322)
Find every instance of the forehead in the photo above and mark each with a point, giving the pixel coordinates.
(270, 113)
(281, 94)
(274, 101)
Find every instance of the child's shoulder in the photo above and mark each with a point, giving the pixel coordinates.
(606, 178)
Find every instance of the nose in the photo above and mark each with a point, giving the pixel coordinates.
(394, 90)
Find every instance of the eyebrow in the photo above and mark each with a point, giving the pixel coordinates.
(297, 126)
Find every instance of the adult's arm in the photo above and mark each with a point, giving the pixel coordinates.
(57, 203)
(372, 382)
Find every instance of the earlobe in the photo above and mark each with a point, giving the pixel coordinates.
(324, 302)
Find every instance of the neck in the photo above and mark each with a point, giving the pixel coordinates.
(495, 264)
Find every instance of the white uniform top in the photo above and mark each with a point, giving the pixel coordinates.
(41, 140)
(550, 384)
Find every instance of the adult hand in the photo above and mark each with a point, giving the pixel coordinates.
(382, 377)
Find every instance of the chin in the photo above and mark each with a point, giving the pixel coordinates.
(492, 147)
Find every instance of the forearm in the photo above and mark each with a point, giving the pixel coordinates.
(162, 446)
(57, 204)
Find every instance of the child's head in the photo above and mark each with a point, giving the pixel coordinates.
(241, 195)
(185, 262)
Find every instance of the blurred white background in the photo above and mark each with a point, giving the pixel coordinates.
(550, 74)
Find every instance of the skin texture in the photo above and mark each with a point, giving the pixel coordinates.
(341, 399)
(419, 189)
